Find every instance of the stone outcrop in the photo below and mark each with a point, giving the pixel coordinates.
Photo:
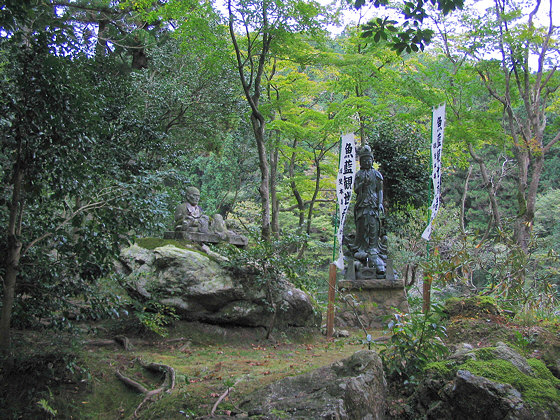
(200, 289)
(470, 396)
(209, 237)
(353, 388)
(466, 395)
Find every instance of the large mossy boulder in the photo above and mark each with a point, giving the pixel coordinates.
(200, 289)
(353, 389)
(492, 382)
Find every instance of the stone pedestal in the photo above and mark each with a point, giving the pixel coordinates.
(366, 302)
(210, 237)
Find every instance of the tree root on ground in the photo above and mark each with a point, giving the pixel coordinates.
(221, 398)
(121, 340)
(150, 396)
(215, 407)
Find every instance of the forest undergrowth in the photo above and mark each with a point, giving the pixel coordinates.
(64, 375)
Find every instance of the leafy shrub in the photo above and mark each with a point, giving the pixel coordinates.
(155, 316)
(269, 261)
(416, 341)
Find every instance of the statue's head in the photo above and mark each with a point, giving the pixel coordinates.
(366, 157)
(193, 195)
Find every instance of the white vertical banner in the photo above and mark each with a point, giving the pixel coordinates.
(344, 185)
(438, 127)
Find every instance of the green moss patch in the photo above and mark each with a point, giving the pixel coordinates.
(442, 369)
(542, 371)
(153, 243)
(486, 353)
(473, 306)
(539, 389)
(208, 359)
(479, 331)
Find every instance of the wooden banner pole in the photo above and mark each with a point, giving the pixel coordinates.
(330, 305)
(427, 293)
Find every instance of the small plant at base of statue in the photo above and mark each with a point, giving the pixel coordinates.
(416, 341)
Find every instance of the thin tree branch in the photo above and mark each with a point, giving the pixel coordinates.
(305, 203)
(68, 219)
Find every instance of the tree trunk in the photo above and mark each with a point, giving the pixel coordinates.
(527, 200)
(527, 123)
(13, 258)
(315, 194)
(14, 253)
(101, 45)
(362, 127)
(259, 131)
(312, 204)
(489, 187)
(293, 186)
(139, 58)
(275, 223)
(252, 89)
(463, 200)
(138, 50)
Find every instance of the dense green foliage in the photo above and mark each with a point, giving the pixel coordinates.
(109, 111)
(401, 151)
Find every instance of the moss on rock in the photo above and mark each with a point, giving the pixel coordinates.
(539, 389)
(153, 243)
(442, 369)
(537, 386)
(471, 307)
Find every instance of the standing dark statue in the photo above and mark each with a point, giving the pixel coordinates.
(369, 246)
(369, 275)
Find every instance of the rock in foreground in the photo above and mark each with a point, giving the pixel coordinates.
(353, 388)
(491, 383)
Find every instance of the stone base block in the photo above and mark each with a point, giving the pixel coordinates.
(365, 303)
(213, 238)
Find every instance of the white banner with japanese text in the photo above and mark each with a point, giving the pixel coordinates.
(438, 127)
(344, 185)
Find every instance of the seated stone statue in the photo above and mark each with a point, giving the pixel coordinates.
(189, 216)
(192, 224)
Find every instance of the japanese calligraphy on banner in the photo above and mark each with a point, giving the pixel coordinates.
(438, 126)
(344, 184)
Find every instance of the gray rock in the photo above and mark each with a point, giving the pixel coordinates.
(504, 352)
(478, 397)
(468, 396)
(353, 388)
(201, 290)
(463, 352)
